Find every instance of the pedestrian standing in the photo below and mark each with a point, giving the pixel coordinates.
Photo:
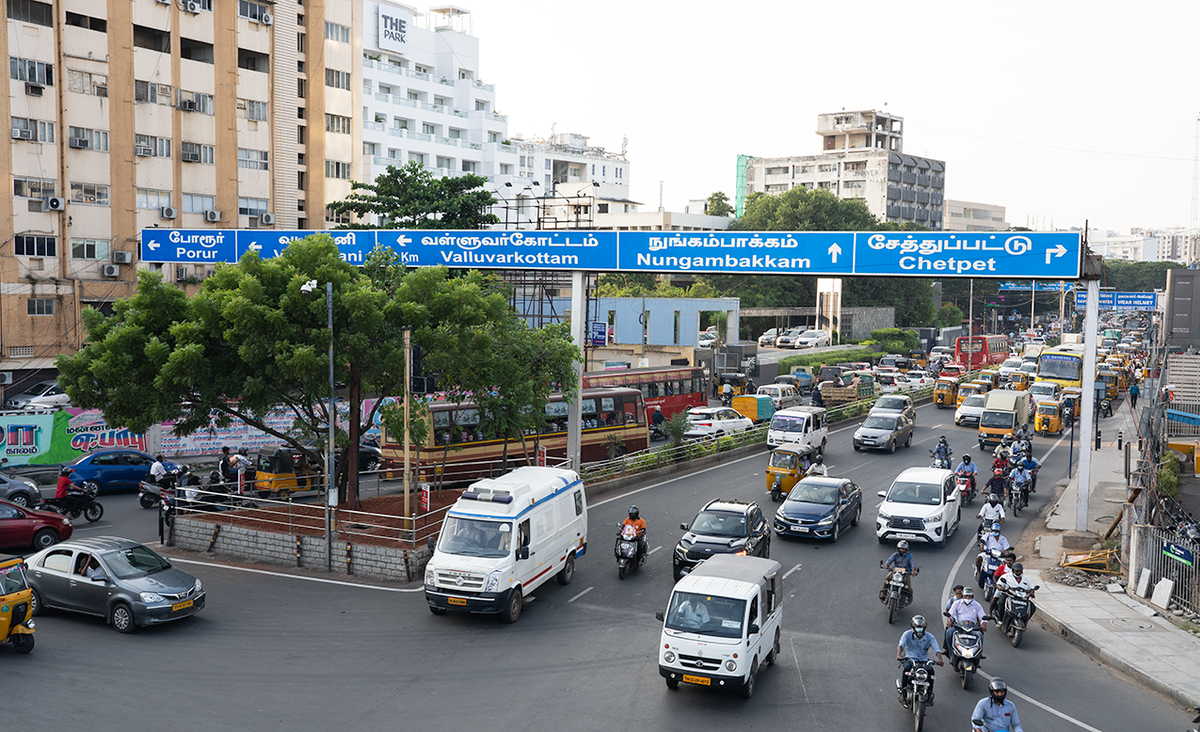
(1133, 395)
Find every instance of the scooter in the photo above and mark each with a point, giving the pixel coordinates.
(916, 694)
(987, 574)
(1015, 612)
(79, 501)
(939, 462)
(965, 651)
(962, 484)
(656, 432)
(150, 493)
(897, 596)
(626, 551)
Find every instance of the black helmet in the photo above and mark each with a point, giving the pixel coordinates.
(1018, 568)
(997, 690)
(243, 451)
(633, 512)
(942, 438)
(992, 497)
(902, 546)
(66, 470)
(966, 458)
(919, 625)
(820, 459)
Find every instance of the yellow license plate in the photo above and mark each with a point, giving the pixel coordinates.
(181, 605)
(703, 680)
(457, 601)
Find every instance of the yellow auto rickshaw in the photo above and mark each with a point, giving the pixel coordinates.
(1019, 380)
(785, 467)
(918, 359)
(992, 376)
(966, 390)
(945, 392)
(1072, 397)
(1047, 418)
(16, 606)
(282, 471)
(1111, 383)
(737, 380)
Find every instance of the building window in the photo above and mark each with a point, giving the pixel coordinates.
(337, 123)
(89, 248)
(337, 79)
(250, 109)
(149, 91)
(252, 159)
(194, 152)
(253, 11)
(469, 166)
(480, 105)
(152, 199)
(35, 246)
(34, 187)
(32, 129)
(36, 72)
(335, 32)
(153, 147)
(428, 129)
(82, 82)
(31, 11)
(89, 193)
(370, 148)
(252, 206)
(41, 305)
(204, 102)
(253, 61)
(336, 218)
(195, 203)
(337, 169)
(152, 39)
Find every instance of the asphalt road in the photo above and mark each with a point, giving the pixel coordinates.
(280, 652)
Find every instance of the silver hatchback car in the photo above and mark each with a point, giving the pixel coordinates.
(120, 580)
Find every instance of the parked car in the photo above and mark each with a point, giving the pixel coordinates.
(117, 579)
(722, 527)
(21, 526)
(890, 382)
(883, 432)
(921, 505)
(21, 491)
(787, 339)
(813, 339)
(706, 340)
(767, 339)
(969, 412)
(714, 422)
(42, 395)
(820, 507)
(115, 469)
(895, 404)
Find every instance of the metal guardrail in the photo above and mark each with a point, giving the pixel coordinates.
(1167, 555)
(668, 454)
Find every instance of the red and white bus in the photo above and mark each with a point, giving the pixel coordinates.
(981, 351)
(674, 388)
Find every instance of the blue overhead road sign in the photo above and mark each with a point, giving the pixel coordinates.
(1050, 256)
(1110, 300)
(1041, 286)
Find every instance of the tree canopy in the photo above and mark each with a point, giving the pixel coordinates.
(718, 205)
(410, 197)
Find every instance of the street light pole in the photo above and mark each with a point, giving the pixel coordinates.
(330, 489)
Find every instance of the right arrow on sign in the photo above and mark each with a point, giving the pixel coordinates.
(1057, 251)
(835, 250)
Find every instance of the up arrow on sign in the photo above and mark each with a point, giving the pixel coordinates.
(835, 250)
(1058, 252)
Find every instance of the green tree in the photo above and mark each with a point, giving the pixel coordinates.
(803, 209)
(896, 340)
(718, 205)
(949, 317)
(410, 197)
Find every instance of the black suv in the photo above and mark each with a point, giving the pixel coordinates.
(722, 527)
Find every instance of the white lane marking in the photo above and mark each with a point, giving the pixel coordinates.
(672, 480)
(653, 550)
(793, 569)
(1052, 710)
(298, 576)
(581, 594)
(971, 546)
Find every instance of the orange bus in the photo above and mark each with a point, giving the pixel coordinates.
(455, 449)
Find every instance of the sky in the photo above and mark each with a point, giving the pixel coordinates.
(1064, 112)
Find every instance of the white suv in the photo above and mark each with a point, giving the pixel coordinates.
(921, 505)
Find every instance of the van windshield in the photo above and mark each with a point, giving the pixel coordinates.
(706, 614)
(787, 423)
(470, 537)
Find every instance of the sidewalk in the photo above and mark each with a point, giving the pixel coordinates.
(1108, 624)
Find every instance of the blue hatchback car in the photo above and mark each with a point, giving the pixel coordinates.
(115, 469)
(819, 507)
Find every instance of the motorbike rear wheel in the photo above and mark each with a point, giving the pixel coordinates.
(93, 513)
(776, 494)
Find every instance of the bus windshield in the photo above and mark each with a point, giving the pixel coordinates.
(1060, 366)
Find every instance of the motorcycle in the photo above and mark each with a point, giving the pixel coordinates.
(79, 501)
(656, 433)
(626, 551)
(726, 400)
(987, 574)
(915, 695)
(897, 596)
(940, 462)
(150, 493)
(1014, 612)
(962, 483)
(965, 651)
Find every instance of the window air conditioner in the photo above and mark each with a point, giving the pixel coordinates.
(187, 105)
(79, 143)
(122, 257)
(191, 157)
(33, 90)
(181, 273)
(56, 204)
(144, 152)
(168, 212)
(22, 134)
(266, 219)
(110, 270)
(212, 216)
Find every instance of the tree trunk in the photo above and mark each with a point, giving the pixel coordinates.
(355, 399)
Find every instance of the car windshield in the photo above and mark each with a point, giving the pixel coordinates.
(1041, 389)
(1012, 363)
(811, 334)
(807, 492)
(706, 614)
(35, 391)
(12, 579)
(879, 422)
(471, 537)
(890, 403)
(134, 562)
(787, 423)
(998, 420)
(1029, 367)
(719, 523)
(975, 400)
(925, 494)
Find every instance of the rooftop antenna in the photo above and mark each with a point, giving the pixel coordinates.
(660, 196)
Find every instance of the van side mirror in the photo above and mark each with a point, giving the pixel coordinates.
(658, 615)
(753, 629)
(523, 552)
(683, 526)
(430, 543)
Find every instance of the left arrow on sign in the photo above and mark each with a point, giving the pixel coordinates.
(834, 251)
(1057, 251)
(152, 246)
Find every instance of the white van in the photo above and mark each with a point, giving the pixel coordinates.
(799, 425)
(722, 624)
(783, 396)
(503, 538)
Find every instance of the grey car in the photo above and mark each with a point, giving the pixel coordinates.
(42, 395)
(117, 579)
(883, 432)
(21, 491)
(895, 404)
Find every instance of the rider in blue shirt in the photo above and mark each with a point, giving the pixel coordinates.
(914, 647)
(1031, 464)
(995, 713)
(900, 558)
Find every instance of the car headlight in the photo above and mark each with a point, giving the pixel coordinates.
(493, 581)
(429, 576)
(199, 585)
(884, 516)
(669, 657)
(730, 665)
(151, 597)
(680, 551)
(825, 521)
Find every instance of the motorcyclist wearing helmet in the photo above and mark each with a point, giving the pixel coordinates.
(1031, 466)
(995, 540)
(995, 713)
(637, 522)
(64, 482)
(967, 468)
(817, 467)
(942, 450)
(900, 558)
(1004, 449)
(992, 512)
(1022, 480)
(658, 417)
(914, 647)
(997, 484)
(965, 611)
(1008, 581)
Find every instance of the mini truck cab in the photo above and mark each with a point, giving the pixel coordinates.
(503, 538)
(722, 624)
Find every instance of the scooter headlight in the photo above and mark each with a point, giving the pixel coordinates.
(30, 624)
(493, 581)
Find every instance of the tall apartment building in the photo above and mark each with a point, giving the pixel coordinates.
(969, 216)
(862, 156)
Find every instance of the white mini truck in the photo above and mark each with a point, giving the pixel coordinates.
(503, 538)
(722, 624)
